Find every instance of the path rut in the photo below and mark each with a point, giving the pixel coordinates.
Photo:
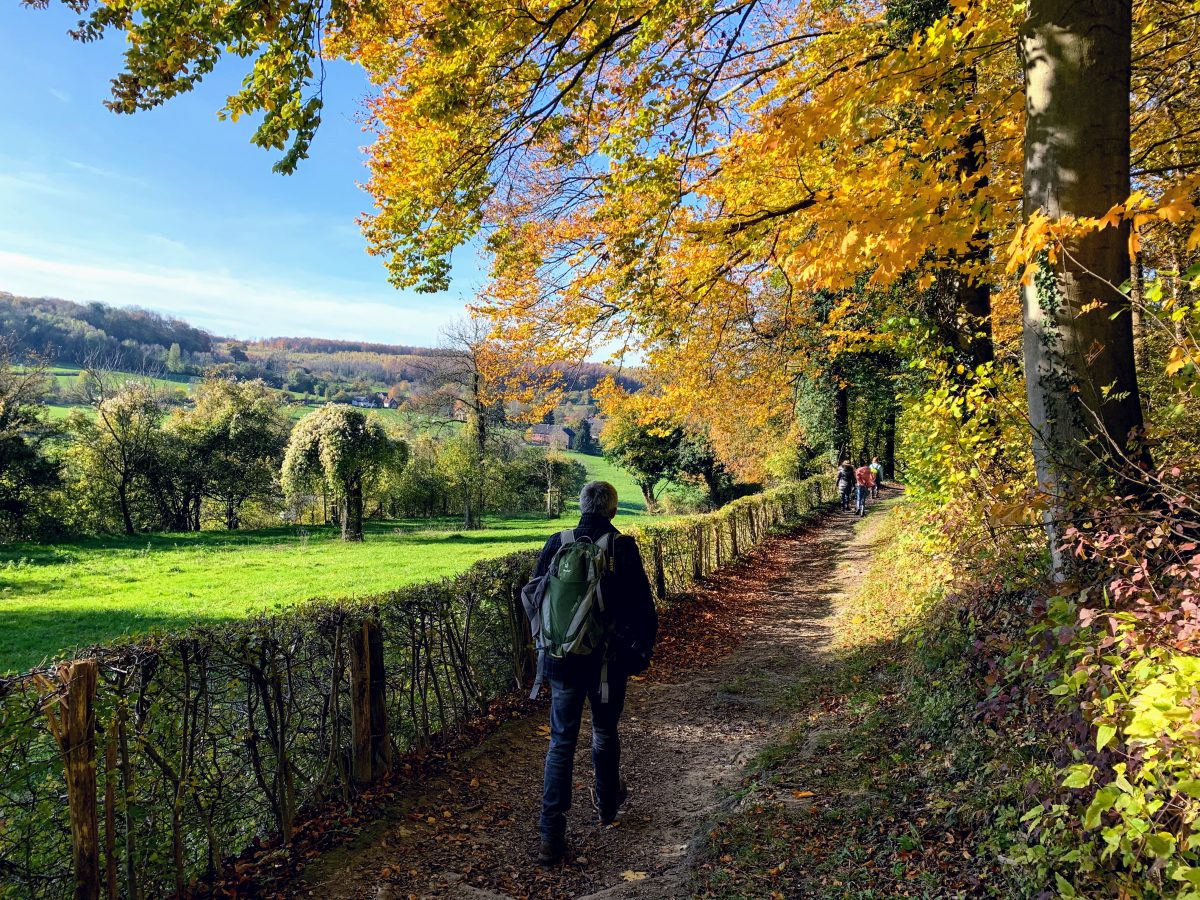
(687, 736)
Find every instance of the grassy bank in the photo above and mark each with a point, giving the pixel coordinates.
(57, 597)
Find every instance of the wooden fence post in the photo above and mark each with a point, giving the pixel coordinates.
(73, 723)
(698, 555)
(733, 547)
(371, 750)
(660, 573)
(717, 542)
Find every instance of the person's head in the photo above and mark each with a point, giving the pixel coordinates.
(862, 461)
(845, 462)
(874, 459)
(598, 498)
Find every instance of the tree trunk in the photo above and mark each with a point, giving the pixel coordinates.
(648, 494)
(1076, 55)
(716, 490)
(889, 442)
(231, 515)
(123, 500)
(1137, 298)
(974, 295)
(352, 511)
(841, 420)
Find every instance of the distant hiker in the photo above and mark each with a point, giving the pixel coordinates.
(863, 482)
(845, 482)
(594, 623)
(876, 475)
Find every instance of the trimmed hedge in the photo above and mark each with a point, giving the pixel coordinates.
(197, 743)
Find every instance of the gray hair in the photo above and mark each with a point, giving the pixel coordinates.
(598, 497)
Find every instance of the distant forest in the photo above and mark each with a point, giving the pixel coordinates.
(140, 340)
(74, 332)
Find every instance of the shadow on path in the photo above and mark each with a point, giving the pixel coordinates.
(687, 736)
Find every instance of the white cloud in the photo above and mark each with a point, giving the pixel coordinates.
(233, 304)
(60, 96)
(30, 181)
(95, 171)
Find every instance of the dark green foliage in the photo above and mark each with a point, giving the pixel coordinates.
(697, 458)
(650, 455)
(27, 473)
(584, 441)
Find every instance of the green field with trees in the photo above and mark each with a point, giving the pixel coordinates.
(58, 597)
(131, 502)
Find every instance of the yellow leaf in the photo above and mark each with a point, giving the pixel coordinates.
(800, 795)
(630, 875)
(1177, 361)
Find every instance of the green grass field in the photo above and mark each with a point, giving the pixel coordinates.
(54, 598)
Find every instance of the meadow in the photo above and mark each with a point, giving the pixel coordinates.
(55, 598)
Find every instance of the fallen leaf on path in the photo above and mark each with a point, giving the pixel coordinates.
(800, 795)
(630, 875)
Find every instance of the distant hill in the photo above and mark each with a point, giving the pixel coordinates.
(328, 345)
(136, 340)
(74, 332)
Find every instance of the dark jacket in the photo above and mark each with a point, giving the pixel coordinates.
(627, 598)
(845, 477)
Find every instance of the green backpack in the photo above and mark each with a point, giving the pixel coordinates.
(566, 605)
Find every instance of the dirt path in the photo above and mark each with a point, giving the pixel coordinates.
(687, 735)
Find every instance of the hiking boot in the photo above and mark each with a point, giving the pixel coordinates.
(551, 852)
(622, 796)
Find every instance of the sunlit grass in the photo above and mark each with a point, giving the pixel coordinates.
(55, 598)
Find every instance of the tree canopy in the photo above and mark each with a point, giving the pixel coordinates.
(732, 190)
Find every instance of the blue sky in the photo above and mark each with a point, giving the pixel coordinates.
(175, 211)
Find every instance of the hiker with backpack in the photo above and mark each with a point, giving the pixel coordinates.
(593, 621)
(845, 483)
(876, 476)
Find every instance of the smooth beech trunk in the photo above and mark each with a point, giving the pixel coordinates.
(1079, 365)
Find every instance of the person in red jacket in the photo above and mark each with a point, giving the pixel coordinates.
(864, 480)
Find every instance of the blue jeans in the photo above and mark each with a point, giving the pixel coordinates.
(566, 716)
(863, 490)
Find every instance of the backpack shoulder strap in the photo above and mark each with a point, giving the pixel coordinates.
(566, 537)
(606, 541)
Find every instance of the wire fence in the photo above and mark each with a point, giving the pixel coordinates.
(142, 769)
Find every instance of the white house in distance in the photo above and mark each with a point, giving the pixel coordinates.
(375, 401)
